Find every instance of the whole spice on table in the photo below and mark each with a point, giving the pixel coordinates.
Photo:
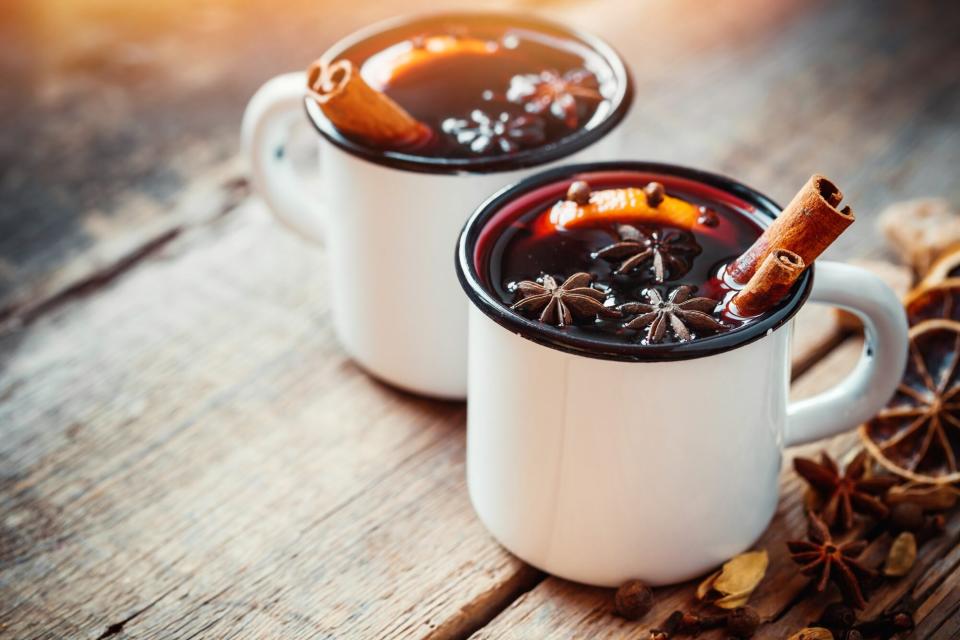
(920, 230)
(932, 497)
(832, 561)
(906, 516)
(669, 627)
(838, 616)
(902, 555)
(633, 600)
(694, 624)
(735, 581)
(887, 625)
(846, 493)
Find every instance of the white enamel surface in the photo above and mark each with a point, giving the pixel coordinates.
(390, 236)
(600, 471)
(267, 121)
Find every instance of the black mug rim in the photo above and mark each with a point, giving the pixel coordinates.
(545, 154)
(555, 338)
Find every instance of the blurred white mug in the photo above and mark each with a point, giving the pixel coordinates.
(389, 220)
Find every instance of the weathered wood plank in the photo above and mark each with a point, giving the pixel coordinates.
(187, 453)
(750, 89)
(191, 439)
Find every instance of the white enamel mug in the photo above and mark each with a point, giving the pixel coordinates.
(389, 219)
(604, 463)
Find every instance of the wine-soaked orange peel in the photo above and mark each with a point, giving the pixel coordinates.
(917, 435)
(946, 267)
(627, 205)
(939, 301)
(383, 68)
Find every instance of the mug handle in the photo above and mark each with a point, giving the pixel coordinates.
(267, 123)
(872, 383)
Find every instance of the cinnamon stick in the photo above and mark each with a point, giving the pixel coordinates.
(357, 109)
(809, 224)
(770, 284)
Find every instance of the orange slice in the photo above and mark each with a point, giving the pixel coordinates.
(947, 266)
(917, 435)
(940, 300)
(624, 205)
(384, 67)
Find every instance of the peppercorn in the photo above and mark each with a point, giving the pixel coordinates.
(743, 622)
(906, 516)
(654, 192)
(579, 192)
(708, 217)
(838, 616)
(633, 600)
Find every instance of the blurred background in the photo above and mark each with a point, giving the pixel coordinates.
(113, 109)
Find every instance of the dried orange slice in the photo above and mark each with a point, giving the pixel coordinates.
(383, 67)
(917, 435)
(935, 301)
(624, 205)
(946, 267)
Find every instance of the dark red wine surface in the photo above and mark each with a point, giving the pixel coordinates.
(523, 245)
(478, 104)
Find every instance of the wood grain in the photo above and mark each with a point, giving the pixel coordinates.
(184, 449)
(190, 451)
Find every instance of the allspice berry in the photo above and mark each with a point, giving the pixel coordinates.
(708, 217)
(654, 192)
(906, 516)
(579, 192)
(633, 600)
(743, 622)
(838, 615)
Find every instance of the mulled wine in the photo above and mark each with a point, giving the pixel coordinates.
(483, 85)
(624, 257)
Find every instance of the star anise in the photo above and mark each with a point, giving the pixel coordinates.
(847, 493)
(559, 303)
(679, 311)
(553, 93)
(483, 132)
(669, 250)
(832, 561)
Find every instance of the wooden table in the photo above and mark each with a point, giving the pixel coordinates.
(186, 452)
